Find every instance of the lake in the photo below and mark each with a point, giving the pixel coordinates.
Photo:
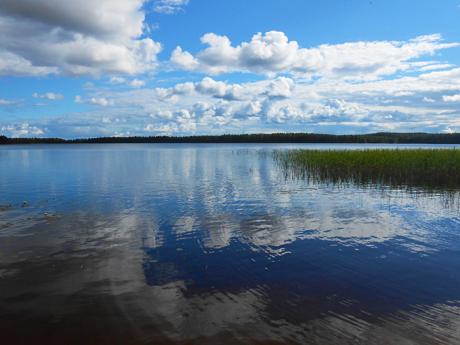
(216, 244)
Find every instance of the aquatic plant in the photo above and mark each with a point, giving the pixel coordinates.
(433, 169)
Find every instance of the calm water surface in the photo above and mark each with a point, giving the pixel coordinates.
(211, 244)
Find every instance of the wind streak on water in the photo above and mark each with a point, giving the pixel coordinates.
(205, 244)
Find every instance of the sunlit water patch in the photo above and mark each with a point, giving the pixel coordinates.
(207, 244)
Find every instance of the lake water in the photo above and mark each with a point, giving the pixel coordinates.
(212, 244)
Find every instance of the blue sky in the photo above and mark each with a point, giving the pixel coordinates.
(81, 68)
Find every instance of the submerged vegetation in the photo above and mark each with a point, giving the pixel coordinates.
(430, 169)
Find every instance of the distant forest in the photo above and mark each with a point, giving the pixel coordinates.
(392, 138)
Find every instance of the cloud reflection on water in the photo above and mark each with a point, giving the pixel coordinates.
(211, 244)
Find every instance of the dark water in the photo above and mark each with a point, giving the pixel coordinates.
(210, 244)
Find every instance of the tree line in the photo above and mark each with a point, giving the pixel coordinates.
(374, 138)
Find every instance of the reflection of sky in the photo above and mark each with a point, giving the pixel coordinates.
(202, 239)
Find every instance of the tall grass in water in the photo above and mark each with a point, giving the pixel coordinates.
(429, 169)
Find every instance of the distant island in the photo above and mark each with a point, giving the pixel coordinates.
(374, 138)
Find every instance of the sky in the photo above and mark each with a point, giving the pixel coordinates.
(85, 68)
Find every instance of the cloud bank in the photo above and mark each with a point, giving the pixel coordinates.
(273, 53)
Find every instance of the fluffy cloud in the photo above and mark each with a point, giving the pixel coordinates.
(272, 53)
(166, 129)
(452, 98)
(75, 37)
(219, 89)
(280, 88)
(282, 103)
(137, 83)
(100, 101)
(52, 96)
(169, 6)
(206, 87)
(21, 130)
(350, 87)
(117, 80)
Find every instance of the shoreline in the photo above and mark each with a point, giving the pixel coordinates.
(273, 138)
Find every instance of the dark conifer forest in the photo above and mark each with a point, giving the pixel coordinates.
(382, 137)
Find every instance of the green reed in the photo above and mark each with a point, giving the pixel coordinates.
(432, 169)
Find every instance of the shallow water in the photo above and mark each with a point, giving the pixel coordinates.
(211, 244)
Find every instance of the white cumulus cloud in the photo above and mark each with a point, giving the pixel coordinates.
(74, 37)
(452, 98)
(100, 101)
(273, 53)
(137, 83)
(21, 130)
(281, 87)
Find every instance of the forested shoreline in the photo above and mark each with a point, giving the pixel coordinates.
(383, 137)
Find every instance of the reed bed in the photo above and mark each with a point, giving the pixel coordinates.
(432, 169)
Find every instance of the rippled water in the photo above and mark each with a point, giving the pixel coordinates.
(211, 244)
